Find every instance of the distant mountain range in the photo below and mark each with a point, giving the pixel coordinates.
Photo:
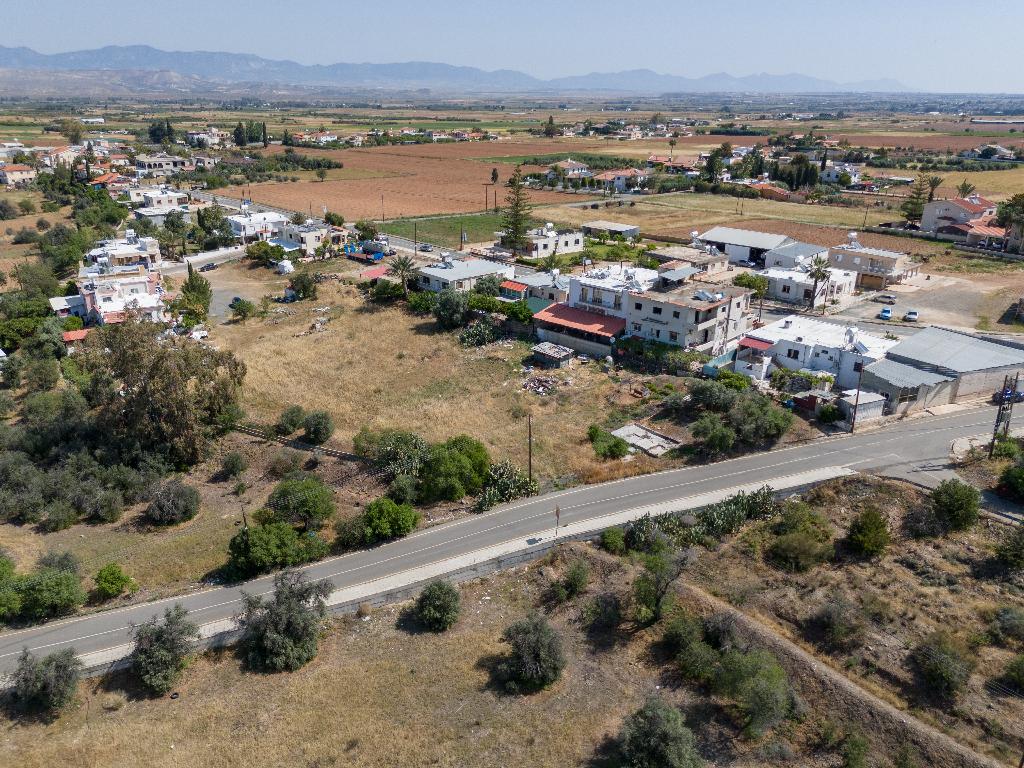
(201, 69)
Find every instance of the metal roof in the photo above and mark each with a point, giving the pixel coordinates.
(458, 269)
(904, 376)
(797, 250)
(680, 273)
(955, 352)
(743, 237)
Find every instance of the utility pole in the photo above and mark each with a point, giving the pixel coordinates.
(382, 211)
(529, 439)
(1006, 398)
(415, 242)
(856, 400)
(487, 195)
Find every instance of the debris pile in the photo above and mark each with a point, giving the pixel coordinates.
(318, 326)
(541, 385)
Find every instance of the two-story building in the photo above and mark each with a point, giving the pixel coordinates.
(945, 213)
(161, 164)
(834, 174)
(796, 286)
(264, 225)
(620, 180)
(876, 268)
(305, 237)
(17, 175)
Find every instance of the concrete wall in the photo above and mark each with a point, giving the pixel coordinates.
(591, 348)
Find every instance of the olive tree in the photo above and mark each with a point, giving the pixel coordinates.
(162, 648)
(282, 633)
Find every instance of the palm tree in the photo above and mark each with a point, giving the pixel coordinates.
(934, 182)
(404, 269)
(818, 272)
(965, 189)
(552, 261)
(671, 148)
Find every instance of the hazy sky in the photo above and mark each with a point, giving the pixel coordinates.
(939, 45)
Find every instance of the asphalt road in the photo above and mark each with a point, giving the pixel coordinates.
(909, 449)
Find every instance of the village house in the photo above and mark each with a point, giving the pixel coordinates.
(834, 173)
(158, 197)
(793, 254)
(460, 274)
(948, 213)
(795, 286)
(741, 244)
(250, 226)
(546, 240)
(989, 152)
(621, 180)
(52, 157)
(538, 290)
(611, 302)
(805, 344)
(211, 137)
(706, 260)
(569, 169)
(160, 164)
(602, 228)
(305, 237)
(876, 268)
(16, 175)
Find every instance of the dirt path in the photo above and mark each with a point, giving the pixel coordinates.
(885, 726)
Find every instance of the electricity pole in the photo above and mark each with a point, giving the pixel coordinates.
(856, 401)
(529, 440)
(1006, 397)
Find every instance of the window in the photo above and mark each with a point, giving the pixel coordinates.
(636, 327)
(638, 306)
(858, 367)
(675, 314)
(657, 334)
(793, 354)
(656, 310)
(577, 241)
(673, 336)
(785, 289)
(583, 293)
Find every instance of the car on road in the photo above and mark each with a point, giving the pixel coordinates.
(1007, 396)
(747, 263)
(911, 316)
(885, 298)
(885, 314)
(208, 267)
(426, 247)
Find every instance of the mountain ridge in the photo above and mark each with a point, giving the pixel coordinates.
(218, 66)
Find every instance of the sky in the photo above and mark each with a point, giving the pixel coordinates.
(933, 45)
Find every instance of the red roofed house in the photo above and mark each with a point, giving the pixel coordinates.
(17, 175)
(944, 213)
(622, 179)
(514, 291)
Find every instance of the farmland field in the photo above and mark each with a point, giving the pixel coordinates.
(446, 230)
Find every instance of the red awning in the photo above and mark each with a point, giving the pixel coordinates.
(752, 343)
(512, 285)
(78, 335)
(581, 320)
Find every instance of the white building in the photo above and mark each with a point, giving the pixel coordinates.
(795, 286)
(461, 274)
(157, 197)
(832, 173)
(305, 237)
(160, 164)
(793, 254)
(257, 226)
(543, 241)
(944, 213)
(742, 244)
(125, 252)
(805, 344)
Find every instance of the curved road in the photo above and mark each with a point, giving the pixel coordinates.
(910, 449)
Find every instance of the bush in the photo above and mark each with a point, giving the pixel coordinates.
(233, 464)
(603, 613)
(285, 462)
(708, 395)
(841, 622)
(60, 561)
(422, 302)
(1010, 550)
(384, 519)
(304, 285)
(1012, 479)
(698, 661)
(59, 516)
(804, 539)
(536, 659)
(656, 736)
(956, 505)
(758, 685)
(305, 501)
(606, 445)
(505, 482)
(576, 579)
(451, 309)
(855, 751)
(173, 502)
(757, 420)
(869, 534)
(1014, 674)
(162, 649)
(1006, 449)
(715, 436)
(111, 582)
(319, 427)
(402, 489)
(613, 541)
(283, 633)
(438, 606)
(1008, 624)
(943, 665)
(454, 469)
(829, 414)
(480, 333)
(46, 685)
(262, 548)
(393, 451)
(290, 420)
(734, 381)
(643, 535)
(48, 593)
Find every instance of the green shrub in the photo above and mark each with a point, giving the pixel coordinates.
(715, 436)
(112, 582)
(869, 534)
(283, 633)
(708, 395)
(319, 426)
(606, 445)
(173, 502)
(576, 578)
(943, 665)
(535, 660)
(438, 606)
(803, 541)
(290, 420)
(59, 516)
(758, 685)
(48, 593)
(305, 501)
(613, 540)
(1010, 550)
(734, 381)
(698, 662)
(855, 751)
(1014, 674)
(1008, 624)
(480, 333)
(384, 519)
(262, 548)
(505, 482)
(60, 561)
(285, 462)
(393, 451)
(757, 420)
(603, 612)
(1006, 449)
(451, 309)
(956, 504)
(643, 535)
(162, 649)
(829, 414)
(46, 685)
(1012, 479)
(402, 490)
(233, 464)
(422, 302)
(841, 622)
(656, 736)
(454, 469)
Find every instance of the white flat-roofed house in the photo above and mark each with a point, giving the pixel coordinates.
(833, 173)
(544, 241)
(257, 226)
(796, 286)
(305, 237)
(876, 268)
(460, 274)
(161, 164)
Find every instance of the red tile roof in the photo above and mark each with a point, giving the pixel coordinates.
(581, 320)
(78, 335)
(16, 167)
(971, 206)
(512, 285)
(760, 344)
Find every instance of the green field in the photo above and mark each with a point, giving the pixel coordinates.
(444, 230)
